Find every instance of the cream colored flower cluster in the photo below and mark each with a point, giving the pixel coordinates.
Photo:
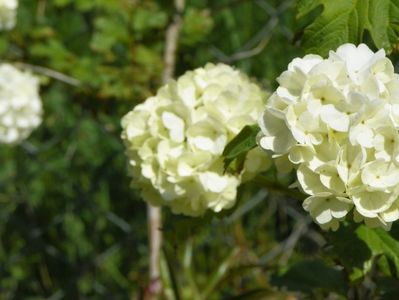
(175, 139)
(20, 104)
(337, 121)
(8, 13)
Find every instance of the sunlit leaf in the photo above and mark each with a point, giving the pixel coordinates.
(344, 21)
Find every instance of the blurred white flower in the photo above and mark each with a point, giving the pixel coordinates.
(20, 104)
(336, 120)
(174, 140)
(8, 14)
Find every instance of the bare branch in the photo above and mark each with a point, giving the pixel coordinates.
(172, 37)
(49, 73)
(155, 213)
(155, 244)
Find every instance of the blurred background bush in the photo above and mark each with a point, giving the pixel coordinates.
(71, 228)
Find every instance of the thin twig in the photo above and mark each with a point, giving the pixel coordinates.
(49, 73)
(300, 228)
(259, 42)
(154, 213)
(286, 248)
(252, 52)
(261, 38)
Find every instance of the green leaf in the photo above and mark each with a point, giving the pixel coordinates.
(309, 276)
(350, 250)
(255, 294)
(380, 242)
(357, 247)
(388, 288)
(344, 21)
(217, 276)
(238, 147)
(146, 19)
(197, 24)
(62, 3)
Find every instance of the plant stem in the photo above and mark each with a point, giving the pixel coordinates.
(187, 264)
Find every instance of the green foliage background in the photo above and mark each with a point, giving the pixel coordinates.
(70, 226)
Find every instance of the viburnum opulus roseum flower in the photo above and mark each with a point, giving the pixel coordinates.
(8, 13)
(336, 120)
(174, 140)
(20, 104)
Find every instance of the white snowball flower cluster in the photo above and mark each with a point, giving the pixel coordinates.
(20, 104)
(8, 13)
(337, 121)
(175, 139)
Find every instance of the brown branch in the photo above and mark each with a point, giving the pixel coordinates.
(155, 213)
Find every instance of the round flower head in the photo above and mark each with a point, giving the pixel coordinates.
(20, 104)
(336, 120)
(175, 139)
(8, 12)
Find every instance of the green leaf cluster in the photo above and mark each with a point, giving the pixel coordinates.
(329, 24)
(118, 41)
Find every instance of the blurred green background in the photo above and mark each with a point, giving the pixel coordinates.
(70, 226)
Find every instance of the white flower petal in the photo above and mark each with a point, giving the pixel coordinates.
(370, 203)
(175, 126)
(334, 119)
